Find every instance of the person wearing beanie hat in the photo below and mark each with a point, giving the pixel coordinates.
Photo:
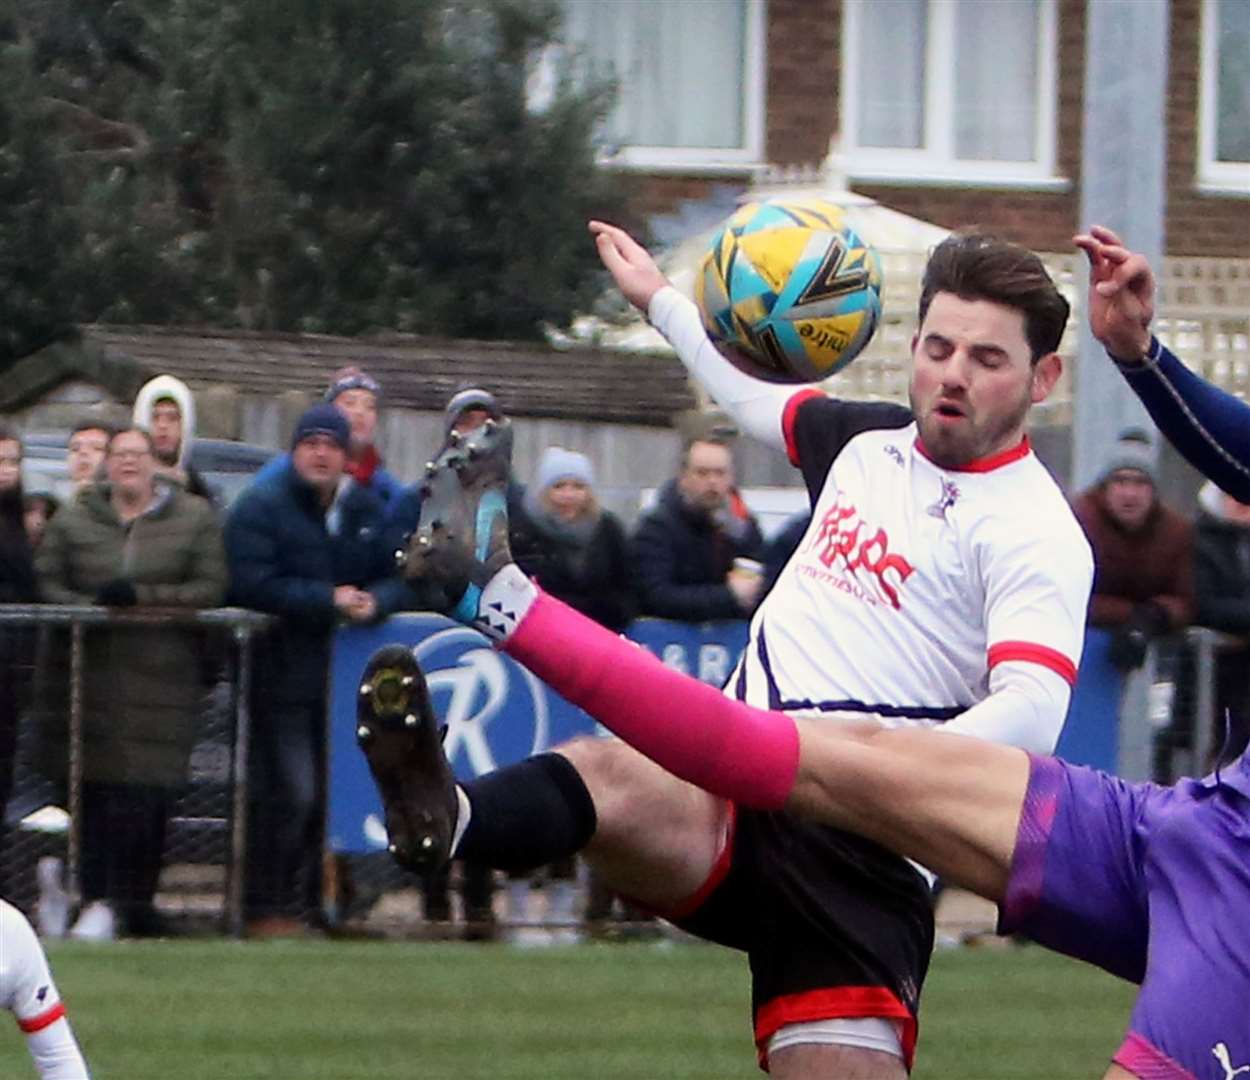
(324, 420)
(355, 394)
(585, 559)
(1143, 553)
(312, 547)
(469, 407)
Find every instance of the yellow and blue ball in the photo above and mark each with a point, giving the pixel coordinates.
(791, 289)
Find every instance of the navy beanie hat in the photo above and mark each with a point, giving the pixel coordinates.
(322, 419)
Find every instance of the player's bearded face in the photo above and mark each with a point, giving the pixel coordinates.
(973, 379)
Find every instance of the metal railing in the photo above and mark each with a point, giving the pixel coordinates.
(43, 623)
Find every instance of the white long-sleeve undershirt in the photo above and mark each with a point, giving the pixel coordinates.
(1026, 708)
(756, 406)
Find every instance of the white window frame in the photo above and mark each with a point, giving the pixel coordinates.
(1214, 175)
(935, 163)
(716, 160)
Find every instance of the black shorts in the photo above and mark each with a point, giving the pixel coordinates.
(834, 925)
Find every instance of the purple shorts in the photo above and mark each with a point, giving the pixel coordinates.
(1152, 884)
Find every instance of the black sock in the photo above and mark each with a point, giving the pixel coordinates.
(527, 815)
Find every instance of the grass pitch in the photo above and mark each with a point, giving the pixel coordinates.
(215, 1010)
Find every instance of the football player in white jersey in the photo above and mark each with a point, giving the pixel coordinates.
(943, 580)
(28, 992)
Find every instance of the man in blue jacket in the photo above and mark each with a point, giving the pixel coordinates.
(313, 549)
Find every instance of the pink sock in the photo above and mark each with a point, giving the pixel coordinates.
(689, 728)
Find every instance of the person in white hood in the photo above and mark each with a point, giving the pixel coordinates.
(165, 408)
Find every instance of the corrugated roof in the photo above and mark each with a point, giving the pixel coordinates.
(418, 373)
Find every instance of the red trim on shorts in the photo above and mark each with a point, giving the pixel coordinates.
(724, 860)
(43, 1020)
(985, 464)
(789, 415)
(1032, 653)
(834, 1003)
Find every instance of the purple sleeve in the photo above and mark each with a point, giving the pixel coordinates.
(1208, 426)
(1076, 884)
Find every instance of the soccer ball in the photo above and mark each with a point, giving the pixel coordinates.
(791, 289)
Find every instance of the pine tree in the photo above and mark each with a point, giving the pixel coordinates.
(321, 165)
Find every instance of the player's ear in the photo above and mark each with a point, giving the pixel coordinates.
(1046, 374)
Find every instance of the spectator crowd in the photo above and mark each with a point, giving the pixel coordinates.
(312, 541)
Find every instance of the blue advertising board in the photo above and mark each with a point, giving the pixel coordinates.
(1091, 733)
(496, 712)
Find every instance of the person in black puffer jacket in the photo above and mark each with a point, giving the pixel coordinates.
(582, 557)
(683, 550)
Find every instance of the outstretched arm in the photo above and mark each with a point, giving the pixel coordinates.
(952, 802)
(1209, 427)
(756, 406)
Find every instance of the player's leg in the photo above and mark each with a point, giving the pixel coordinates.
(651, 835)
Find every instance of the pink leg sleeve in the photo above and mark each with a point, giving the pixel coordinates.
(685, 726)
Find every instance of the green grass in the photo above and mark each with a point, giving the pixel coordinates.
(212, 1010)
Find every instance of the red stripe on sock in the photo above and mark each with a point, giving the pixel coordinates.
(43, 1020)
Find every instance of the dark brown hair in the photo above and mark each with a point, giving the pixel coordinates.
(978, 266)
(134, 430)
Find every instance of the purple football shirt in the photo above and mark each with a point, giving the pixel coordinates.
(1152, 884)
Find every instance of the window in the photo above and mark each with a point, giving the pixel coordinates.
(689, 76)
(949, 90)
(1224, 114)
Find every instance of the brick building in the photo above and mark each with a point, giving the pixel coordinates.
(961, 112)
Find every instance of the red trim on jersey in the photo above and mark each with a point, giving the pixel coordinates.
(834, 1003)
(788, 416)
(985, 464)
(724, 860)
(43, 1020)
(1032, 653)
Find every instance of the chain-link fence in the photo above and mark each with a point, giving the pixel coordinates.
(135, 798)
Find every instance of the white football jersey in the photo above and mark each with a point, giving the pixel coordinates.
(912, 581)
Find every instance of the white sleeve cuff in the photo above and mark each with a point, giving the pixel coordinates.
(1026, 708)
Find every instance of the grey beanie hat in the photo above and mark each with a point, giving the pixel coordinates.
(469, 396)
(1133, 450)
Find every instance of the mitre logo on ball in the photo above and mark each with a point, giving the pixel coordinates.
(788, 291)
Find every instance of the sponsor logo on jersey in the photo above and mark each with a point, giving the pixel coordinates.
(844, 540)
(1224, 1056)
(894, 454)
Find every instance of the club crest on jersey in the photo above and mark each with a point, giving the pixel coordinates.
(846, 540)
(950, 493)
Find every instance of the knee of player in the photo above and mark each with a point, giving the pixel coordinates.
(612, 772)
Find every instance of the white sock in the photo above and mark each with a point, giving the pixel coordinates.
(504, 602)
(464, 811)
